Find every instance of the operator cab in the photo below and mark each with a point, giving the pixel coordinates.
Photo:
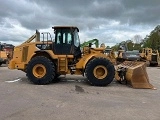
(66, 41)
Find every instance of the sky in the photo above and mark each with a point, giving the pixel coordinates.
(109, 21)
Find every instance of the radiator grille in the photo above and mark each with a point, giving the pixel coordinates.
(24, 54)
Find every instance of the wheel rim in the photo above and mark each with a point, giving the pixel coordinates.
(100, 72)
(39, 71)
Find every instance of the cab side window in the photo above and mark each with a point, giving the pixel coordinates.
(59, 38)
(67, 38)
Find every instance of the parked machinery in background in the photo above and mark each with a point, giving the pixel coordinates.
(6, 52)
(124, 54)
(150, 56)
(3, 56)
(128, 55)
(90, 42)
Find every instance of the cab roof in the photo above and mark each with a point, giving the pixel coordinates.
(64, 27)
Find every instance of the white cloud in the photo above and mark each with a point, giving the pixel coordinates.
(107, 20)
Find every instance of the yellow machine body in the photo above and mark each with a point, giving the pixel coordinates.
(25, 52)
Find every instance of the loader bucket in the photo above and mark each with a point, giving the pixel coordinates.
(136, 74)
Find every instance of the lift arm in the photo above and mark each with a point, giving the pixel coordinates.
(36, 35)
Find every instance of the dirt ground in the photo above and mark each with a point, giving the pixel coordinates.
(74, 99)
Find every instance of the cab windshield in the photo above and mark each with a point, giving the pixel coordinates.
(76, 39)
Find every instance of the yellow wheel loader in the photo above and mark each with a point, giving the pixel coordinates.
(3, 57)
(43, 61)
(150, 56)
(6, 51)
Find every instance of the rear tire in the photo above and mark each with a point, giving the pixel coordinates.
(100, 72)
(40, 70)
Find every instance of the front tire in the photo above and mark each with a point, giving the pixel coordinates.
(40, 70)
(100, 72)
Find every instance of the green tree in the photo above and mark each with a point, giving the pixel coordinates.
(137, 46)
(153, 40)
(115, 47)
(130, 45)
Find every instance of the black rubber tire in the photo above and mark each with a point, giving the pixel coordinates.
(0, 63)
(89, 71)
(57, 75)
(50, 70)
(154, 64)
(56, 78)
